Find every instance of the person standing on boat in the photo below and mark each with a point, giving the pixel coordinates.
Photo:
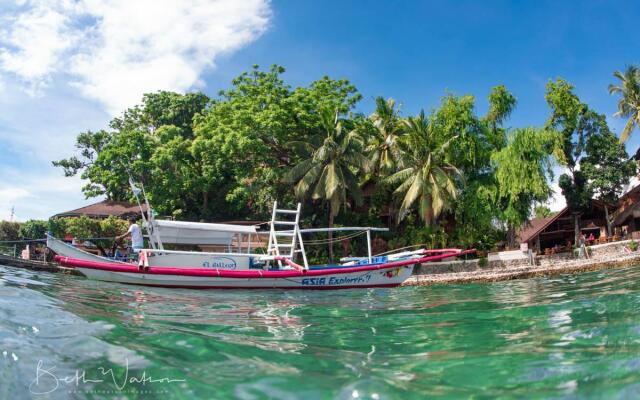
(134, 232)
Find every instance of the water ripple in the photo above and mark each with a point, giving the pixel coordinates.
(562, 337)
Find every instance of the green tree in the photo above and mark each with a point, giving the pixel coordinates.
(9, 231)
(478, 208)
(607, 167)
(501, 105)
(101, 232)
(83, 227)
(382, 143)
(107, 157)
(33, 229)
(576, 123)
(242, 143)
(629, 103)
(57, 226)
(329, 172)
(200, 158)
(427, 176)
(523, 168)
(542, 212)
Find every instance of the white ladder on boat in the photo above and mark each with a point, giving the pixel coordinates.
(291, 236)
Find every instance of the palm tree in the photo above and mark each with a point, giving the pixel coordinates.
(329, 171)
(383, 147)
(629, 104)
(427, 177)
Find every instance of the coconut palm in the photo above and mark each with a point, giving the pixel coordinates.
(427, 177)
(629, 104)
(382, 145)
(329, 171)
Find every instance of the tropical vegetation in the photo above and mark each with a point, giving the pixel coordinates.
(629, 103)
(450, 176)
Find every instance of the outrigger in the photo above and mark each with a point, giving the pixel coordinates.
(238, 265)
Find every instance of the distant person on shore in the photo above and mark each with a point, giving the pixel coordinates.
(134, 232)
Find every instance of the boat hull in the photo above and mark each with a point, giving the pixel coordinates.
(379, 278)
(379, 275)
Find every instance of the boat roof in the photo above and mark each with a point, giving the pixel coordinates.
(205, 226)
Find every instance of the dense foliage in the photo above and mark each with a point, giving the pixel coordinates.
(597, 163)
(101, 231)
(447, 177)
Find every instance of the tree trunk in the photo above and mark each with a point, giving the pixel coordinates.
(330, 234)
(606, 216)
(511, 236)
(205, 204)
(576, 225)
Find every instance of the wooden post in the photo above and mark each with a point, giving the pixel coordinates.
(606, 218)
(369, 245)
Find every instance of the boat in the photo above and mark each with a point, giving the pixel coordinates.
(381, 273)
(235, 262)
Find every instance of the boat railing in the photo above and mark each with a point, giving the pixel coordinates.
(366, 229)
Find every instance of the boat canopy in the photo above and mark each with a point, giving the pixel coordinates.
(181, 232)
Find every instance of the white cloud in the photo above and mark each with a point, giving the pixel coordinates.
(116, 50)
(34, 41)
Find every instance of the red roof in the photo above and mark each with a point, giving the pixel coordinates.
(105, 209)
(531, 229)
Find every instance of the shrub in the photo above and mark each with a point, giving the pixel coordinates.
(633, 245)
(33, 229)
(483, 262)
(9, 230)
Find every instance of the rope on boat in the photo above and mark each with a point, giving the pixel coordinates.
(401, 248)
(333, 240)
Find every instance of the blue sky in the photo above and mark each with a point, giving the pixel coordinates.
(66, 66)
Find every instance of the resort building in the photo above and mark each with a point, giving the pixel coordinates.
(556, 233)
(627, 215)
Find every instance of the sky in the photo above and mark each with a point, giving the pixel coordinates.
(68, 66)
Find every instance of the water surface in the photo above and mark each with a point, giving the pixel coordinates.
(564, 337)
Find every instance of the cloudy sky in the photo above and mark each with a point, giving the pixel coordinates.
(71, 65)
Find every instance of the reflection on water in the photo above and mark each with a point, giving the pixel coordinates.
(570, 336)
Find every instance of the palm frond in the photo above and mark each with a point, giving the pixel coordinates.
(626, 132)
(298, 171)
(305, 183)
(332, 182)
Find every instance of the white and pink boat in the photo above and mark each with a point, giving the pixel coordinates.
(239, 266)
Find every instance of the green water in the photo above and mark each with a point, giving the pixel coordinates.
(564, 337)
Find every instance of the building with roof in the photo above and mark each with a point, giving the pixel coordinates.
(558, 231)
(105, 209)
(627, 215)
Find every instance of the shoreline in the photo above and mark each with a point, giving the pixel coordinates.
(490, 275)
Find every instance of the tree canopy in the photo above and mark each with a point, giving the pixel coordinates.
(446, 175)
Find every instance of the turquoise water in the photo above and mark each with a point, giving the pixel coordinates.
(564, 337)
